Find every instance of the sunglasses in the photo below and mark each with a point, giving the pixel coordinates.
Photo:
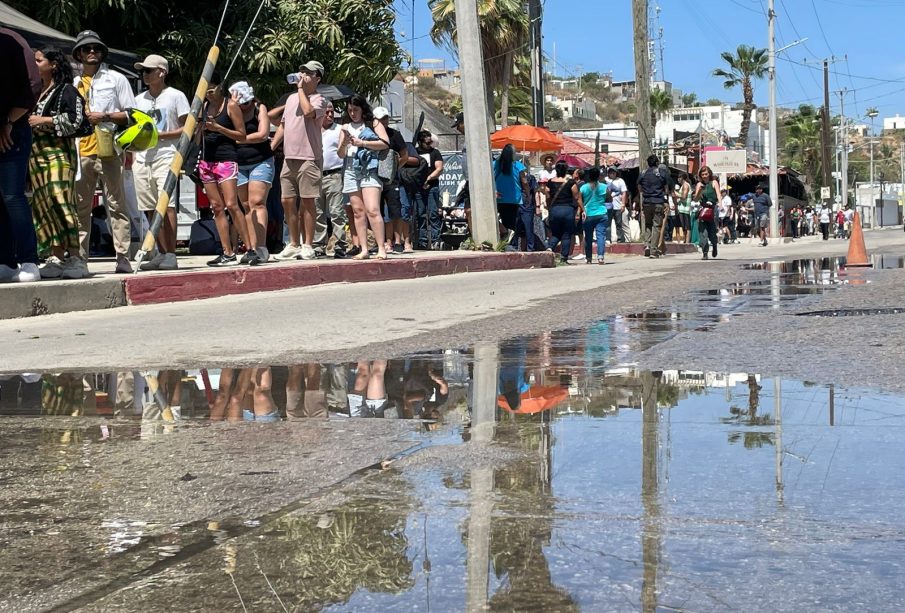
(146, 70)
(92, 49)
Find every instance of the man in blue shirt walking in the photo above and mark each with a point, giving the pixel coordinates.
(762, 204)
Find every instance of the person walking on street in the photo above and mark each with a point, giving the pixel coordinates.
(219, 169)
(652, 185)
(622, 208)
(725, 210)
(795, 220)
(565, 210)
(169, 108)
(596, 221)
(300, 132)
(108, 97)
(51, 168)
(330, 201)
(256, 169)
(762, 204)
(511, 181)
(429, 221)
(360, 141)
(825, 217)
(21, 88)
(707, 195)
(684, 208)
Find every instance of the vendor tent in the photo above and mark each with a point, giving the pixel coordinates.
(39, 35)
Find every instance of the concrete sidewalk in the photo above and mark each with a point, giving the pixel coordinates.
(195, 280)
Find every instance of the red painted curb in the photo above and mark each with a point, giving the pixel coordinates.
(178, 287)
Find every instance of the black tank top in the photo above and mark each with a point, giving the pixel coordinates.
(562, 197)
(253, 153)
(217, 147)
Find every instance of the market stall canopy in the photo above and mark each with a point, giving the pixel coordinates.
(39, 35)
(574, 161)
(526, 138)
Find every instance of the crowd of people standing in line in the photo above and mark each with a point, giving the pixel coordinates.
(355, 175)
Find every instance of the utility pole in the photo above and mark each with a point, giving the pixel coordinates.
(825, 133)
(774, 153)
(872, 113)
(642, 79)
(477, 131)
(535, 18)
(843, 137)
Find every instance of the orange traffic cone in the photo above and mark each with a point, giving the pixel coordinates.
(857, 252)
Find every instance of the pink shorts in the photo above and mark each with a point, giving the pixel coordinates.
(217, 172)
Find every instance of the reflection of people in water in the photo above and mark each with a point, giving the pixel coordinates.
(305, 394)
(513, 379)
(417, 387)
(245, 394)
(368, 397)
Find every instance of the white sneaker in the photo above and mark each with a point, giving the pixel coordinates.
(28, 273)
(575, 258)
(289, 252)
(7, 274)
(307, 252)
(75, 268)
(168, 262)
(153, 263)
(263, 254)
(52, 268)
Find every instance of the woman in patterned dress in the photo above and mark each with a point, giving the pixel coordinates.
(52, 167)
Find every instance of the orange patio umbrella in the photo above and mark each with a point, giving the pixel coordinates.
(536, 400)
(526, 138)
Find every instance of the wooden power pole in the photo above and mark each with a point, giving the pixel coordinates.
(642, 79)
(825, 132)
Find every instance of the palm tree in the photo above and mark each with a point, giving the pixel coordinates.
(801, 148)
(504, 38)
(660, 103)
(748, 63)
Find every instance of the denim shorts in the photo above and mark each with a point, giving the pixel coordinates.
(355, 179)
(262, 171)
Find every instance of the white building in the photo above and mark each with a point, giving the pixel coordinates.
(716, 120)
(580, 107)
(894, 123)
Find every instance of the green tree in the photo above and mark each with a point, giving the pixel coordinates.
(354, 39)
(690, 99)
(801, 148)
(660, 103)
(504, 37)
(747, 64)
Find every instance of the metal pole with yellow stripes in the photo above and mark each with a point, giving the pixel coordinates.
(182, 146)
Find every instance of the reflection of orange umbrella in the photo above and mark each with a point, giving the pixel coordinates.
(526, 138)
(536, 399)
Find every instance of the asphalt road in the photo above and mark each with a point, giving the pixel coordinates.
(350, 322)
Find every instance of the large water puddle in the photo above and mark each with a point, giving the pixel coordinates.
(623, 489)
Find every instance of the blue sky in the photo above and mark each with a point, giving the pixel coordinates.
(597, 36)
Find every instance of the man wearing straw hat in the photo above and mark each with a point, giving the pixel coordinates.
(108, 95)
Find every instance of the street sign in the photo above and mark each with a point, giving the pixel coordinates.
(838, 199)
(824, 193)
(728, 162)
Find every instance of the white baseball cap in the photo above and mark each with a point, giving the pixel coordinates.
(380, 112)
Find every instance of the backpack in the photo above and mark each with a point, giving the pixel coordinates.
(413, 177)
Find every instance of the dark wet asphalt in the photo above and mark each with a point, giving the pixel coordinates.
(555, 475)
